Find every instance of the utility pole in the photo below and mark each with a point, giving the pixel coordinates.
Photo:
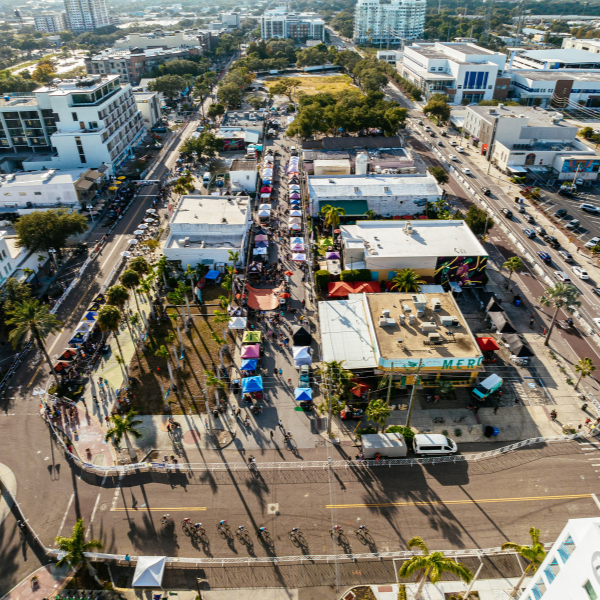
(412, 394)
(389, 392)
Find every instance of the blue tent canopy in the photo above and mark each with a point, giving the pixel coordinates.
(249, 364)
(252, 384)
(261, 245)
(212, 274)
(303, 394)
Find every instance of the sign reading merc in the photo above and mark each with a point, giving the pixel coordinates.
(430, 363)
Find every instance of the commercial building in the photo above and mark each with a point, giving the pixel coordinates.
(422, 338)
(230, 20)
(161, 39)
(16, 261)
(86, 15)
(148, 104)
(243, 175)
(439, 251)
(203, 229)
(525, 140)
(394, 22)
(303, 26)
(51, 22)
(131, 65)
(244, 126)
(587, 45)
(571, 568)
(461, 71)
(387, 195)
(556, 58)
(390, 56)
(77, 122)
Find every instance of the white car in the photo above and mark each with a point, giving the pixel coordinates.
(579, 181)
(562, 276)
(453, 143)
(597, 322)
(581, 273)
(595, 241)
(452, 157)
(460, 149)
(466, 171)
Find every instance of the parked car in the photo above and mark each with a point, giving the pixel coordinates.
(589, 208)
(565, 255)
(581, 273)
(304, 376)
(573, 224)
(545, 257)
(596, 291)
(593, 242)
(579, 181)
(530, 233)
(426, 444)
(540, 230)
(507, 213)
(566, 193)
(521, 209)
(562, 276)
(560, 213)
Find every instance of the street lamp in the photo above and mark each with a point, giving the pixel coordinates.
(89, 207)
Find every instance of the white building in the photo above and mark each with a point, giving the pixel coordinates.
(588, 45)
(556, 58)
(304, 26)
(15, 259)
(148, 104)
(387, 195)
(390, 56)
(461, 71)
(159, 39)
(230, 20)
(51, 22)
(393, 22)
(571, 569)
(86, 15)
(69, 124)
(203, 229)
(243, 175)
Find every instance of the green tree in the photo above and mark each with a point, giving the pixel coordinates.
(478, 220)
(371, 215)
(514, 263)
(45, 229)
(205, 145)
(586, 132)
(32, 320)
(585, 367)
(140, 265)
(285, 87)
(179, 66)
(213, 381)
(535, 554)
(75, 547)
(440, 174)
(109, 319)
(13, 292)
(230, 94)
(407, 280)
(378, 411)
(559, 296)
(433, 566)
(438, 107)
(44, 72)
(131, 280)
(178, 296)
(123, 427)
(118, 295)
(169, 85)
(331, 216)
(216, 110)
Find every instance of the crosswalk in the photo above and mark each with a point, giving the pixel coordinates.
(592, 451)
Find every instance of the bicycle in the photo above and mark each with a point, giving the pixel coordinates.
(223, 528)
(362, 530)
(336, 531)
(295, 533)
(438, 420)
(460, 419)
(186, 525)
(199, 530)
(263, 534)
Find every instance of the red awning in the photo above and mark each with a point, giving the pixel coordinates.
(423, 217)
(368, 287)
(339, 289)
(487, 344)
(359, 386)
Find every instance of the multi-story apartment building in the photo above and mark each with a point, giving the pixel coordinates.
(304, 26)
(88, 121)
(149, 105)
(461, 71)
(132, 64)
(392, 22)
(86, 15)
(50, 23)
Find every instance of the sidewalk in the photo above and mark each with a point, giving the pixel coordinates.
(50, 579)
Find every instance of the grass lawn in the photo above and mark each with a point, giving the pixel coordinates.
(200, 353)
(317, 85)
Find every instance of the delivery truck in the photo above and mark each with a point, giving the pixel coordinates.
(383, 445)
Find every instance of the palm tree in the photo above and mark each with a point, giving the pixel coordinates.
(446, 388)
(131, 280)
(514, 263)
(123, 427)
(407, 280)
(31, 319)
(140, 265)
(117, 295)
(151, 244)
(213, 381)
(109, 319)
(378, 412)
(146, 288)
(371, 215)
(433, 564)
(535, 554)
(560, 295)
(585, 367)
(331, 216)
(177, 297)
(74, 547)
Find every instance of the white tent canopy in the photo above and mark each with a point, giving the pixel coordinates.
(149, 571)
(301, 356)
(238, 323)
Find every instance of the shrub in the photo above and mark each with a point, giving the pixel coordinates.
(356, 275)
(322, 279)
(365, 431)
(407, 432)
(458, 432)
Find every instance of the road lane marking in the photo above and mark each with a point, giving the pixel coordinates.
(171, 509)
(62, 523)
(448, 502)
(87, 531)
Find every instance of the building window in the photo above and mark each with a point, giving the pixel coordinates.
(590, 591)
(74, 115)
(22, 194)
(7, 193)
(538, 589)
(530, 159)
(37, 193)
(566, 549)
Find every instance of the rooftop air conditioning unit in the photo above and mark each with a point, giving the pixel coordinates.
(406, 308)
(428, 327)
(401, 319)
(385, 312)
(436, 305)
(448, 321)
(434, 338)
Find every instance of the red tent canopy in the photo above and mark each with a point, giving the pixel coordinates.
(360, 387)
(339, 289)
(487, 344)
(368, 287)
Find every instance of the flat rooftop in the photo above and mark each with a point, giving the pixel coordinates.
(429, 238)
(18, 101)
(240, 118)
(564, 55)
(460, 343)
(212, 210)
(350, 153)
(50, 176)
(538, 117)
(243, 165)
(206, 240)
(144, 95)
(592, 75)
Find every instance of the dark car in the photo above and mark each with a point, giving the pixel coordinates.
(560, 213)
(529, 218)
(596, 291)
(485, 191)
(545, 257)
(507, 213)
(440, 143)
(540, 230)
(566, 193)
(431, 133)
(159, 129)
(551, 240)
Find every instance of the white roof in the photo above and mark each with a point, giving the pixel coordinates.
(51, 176)
(345, 333)
(212, 210)
(149, 571)
(564, 55)
(429, 238)
(382, 440)
(360, 187)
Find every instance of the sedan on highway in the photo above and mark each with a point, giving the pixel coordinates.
(581, 273)
(530, 233)
(453, 143)
(440, 143)
(562, 276)
(565, 255)
(545, 257)
(589, 208)
(529, 218)
(460, 149)
(485, 191)
(540, 230)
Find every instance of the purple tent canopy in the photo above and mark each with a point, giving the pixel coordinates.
(297, 247)
(261, 238)
(295, 196)
(251, 351)
(299, 257)
(332, 255)
(263, 245)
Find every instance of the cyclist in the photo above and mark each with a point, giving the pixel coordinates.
(198, 526)
(362, 528)
(186, 521)
(241, 528)
(262, 530)
(165, 519)
(222, 523)
(336, 528)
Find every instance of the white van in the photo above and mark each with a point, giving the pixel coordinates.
(428, 444)
(206, 178)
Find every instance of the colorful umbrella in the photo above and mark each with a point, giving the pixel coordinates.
(332, 255)
(295, 213)
(289, 273)
(265, 190)
(299, 257)
(249, 364)
(261, 238)
(297, 247)
(113, 188)
(295, 196)
(302, 394)
(122, 178)
(251, 337)
(284, 295)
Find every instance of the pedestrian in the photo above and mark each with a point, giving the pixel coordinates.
(516, 402)
(289, 381)
(496, 409)
(531, 322)
(271, 433)
(247, 421)
(275, 372)
(238, 411)
(281, 371)
(280, 424)
(584, 406)
(553, 415)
